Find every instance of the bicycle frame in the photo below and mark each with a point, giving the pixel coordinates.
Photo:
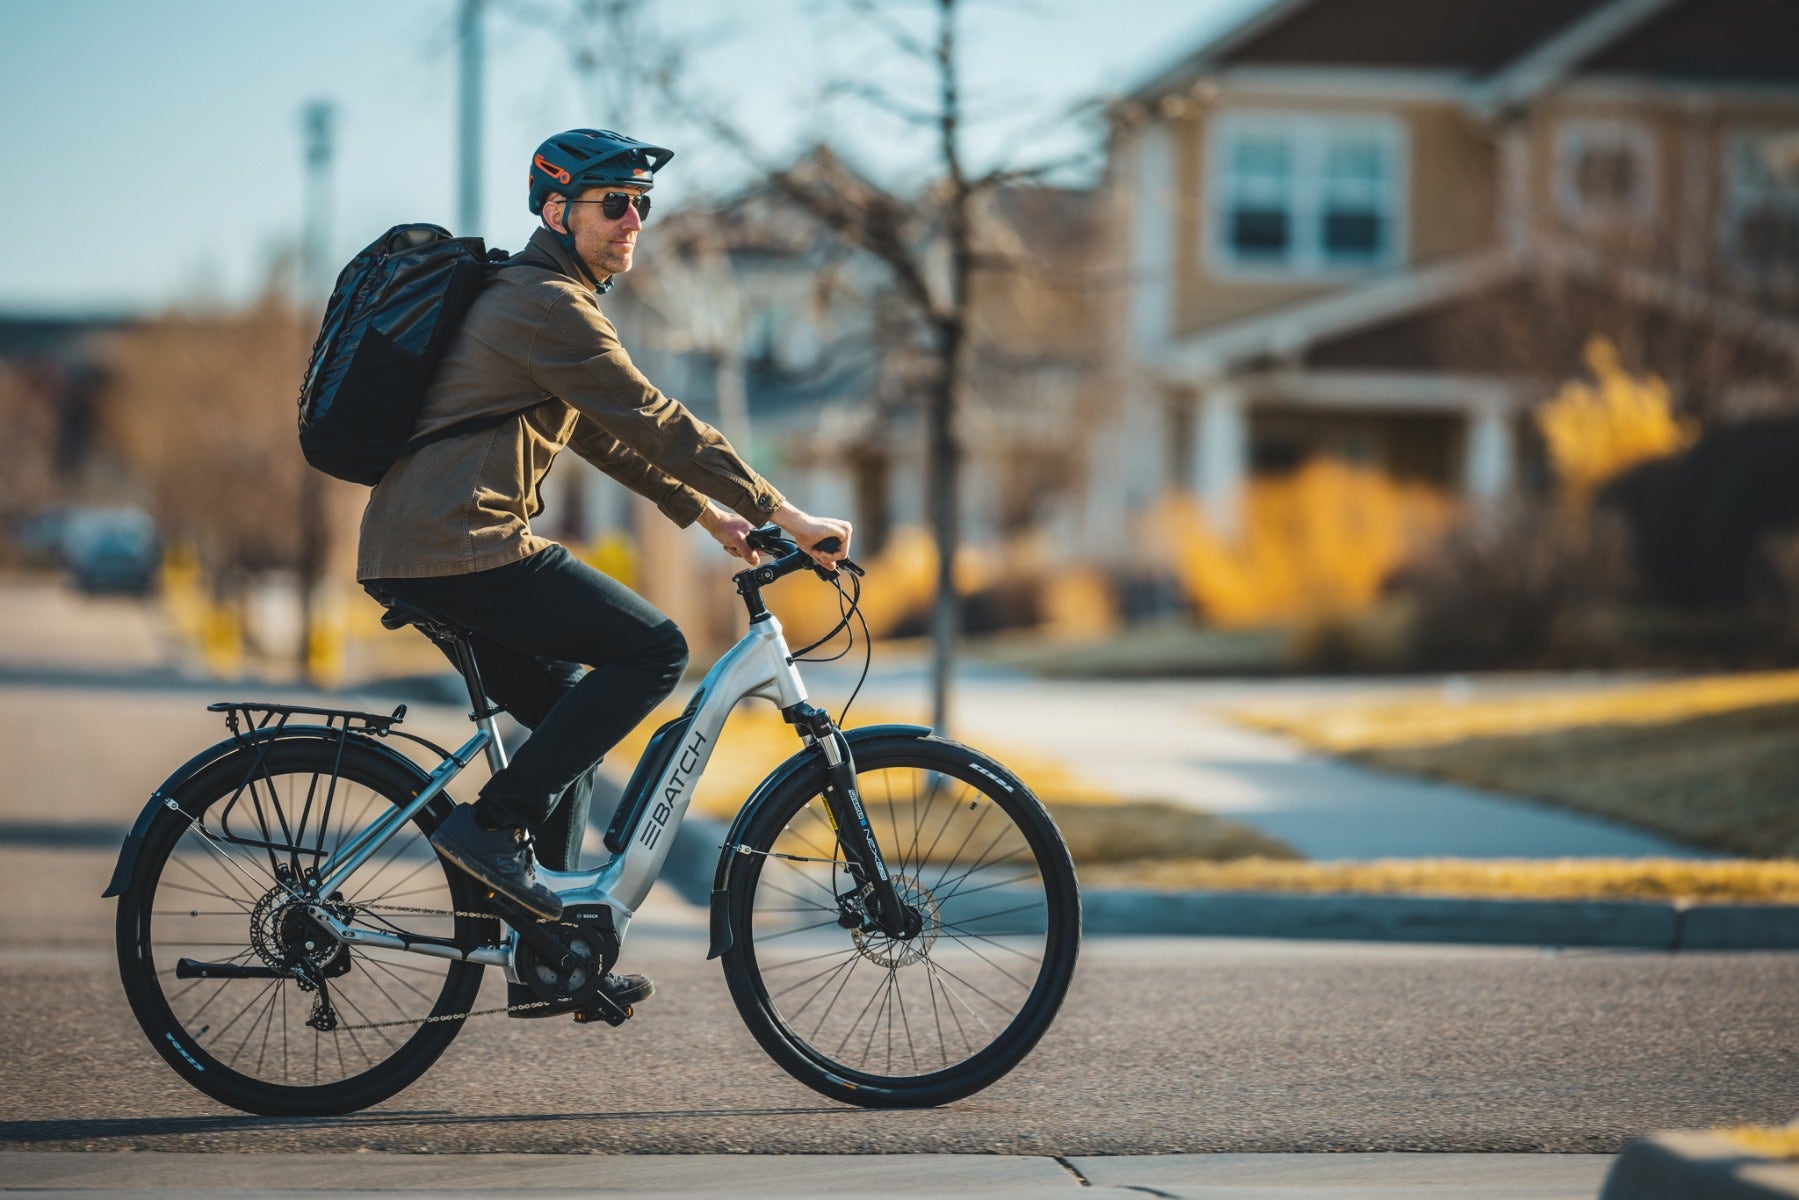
(759, 665)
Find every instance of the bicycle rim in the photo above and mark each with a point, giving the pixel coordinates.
(221, 898)
(924, 1019)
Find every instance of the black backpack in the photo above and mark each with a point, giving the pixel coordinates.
(390, 319)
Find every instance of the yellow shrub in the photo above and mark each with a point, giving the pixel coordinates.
(1316, 543)
(1078, 605)
(1597, 430)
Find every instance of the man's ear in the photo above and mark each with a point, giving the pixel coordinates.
(557, 221)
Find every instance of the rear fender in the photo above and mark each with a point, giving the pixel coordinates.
(869, 737)
(169, 790)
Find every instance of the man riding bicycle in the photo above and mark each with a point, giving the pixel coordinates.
(448, 530)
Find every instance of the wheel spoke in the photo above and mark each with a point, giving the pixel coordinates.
(976, 978)
(208, 899)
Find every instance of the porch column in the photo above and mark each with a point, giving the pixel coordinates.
(1221, 457)
(1152, 230)
(1514, 185)
(1487, 466)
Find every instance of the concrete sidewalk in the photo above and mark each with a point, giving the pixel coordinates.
(1171, 740)
(913, 1177)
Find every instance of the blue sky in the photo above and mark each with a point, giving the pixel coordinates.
(151, 148)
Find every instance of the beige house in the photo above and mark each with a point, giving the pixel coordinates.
(1341, 213)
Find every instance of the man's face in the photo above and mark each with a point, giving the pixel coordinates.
(605, 245)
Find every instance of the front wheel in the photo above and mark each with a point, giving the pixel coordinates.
(888, 1022)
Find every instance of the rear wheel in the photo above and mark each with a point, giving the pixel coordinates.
(239, 989)
(899, 1022)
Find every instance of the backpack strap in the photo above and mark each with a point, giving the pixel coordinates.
(478, 424)
(472, 425)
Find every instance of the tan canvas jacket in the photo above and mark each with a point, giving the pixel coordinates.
(465, 504)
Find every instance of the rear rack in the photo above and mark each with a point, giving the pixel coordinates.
(248, 718)
(244, 717)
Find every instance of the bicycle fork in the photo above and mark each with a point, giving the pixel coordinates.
(874, 893)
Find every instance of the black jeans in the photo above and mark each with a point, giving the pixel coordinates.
(534, 622)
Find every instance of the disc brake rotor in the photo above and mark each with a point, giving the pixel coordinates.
(893, 952)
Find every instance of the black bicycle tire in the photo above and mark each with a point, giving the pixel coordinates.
(171, 1039)
(816, 1070)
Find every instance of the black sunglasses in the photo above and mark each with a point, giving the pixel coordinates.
(613, 204)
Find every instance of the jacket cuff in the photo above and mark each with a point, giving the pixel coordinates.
(683, 507)
(761, 505)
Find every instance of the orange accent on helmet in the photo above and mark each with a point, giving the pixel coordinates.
(551, 169)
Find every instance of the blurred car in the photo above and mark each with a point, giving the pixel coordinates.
(112, 550)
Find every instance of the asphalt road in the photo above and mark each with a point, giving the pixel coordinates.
(1165, 1046)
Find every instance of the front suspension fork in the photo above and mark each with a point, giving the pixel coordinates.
(849, 819)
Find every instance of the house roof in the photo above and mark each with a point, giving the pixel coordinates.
(1507, 50)
(1483, 37)
(1747, 40)
(1293, 329)
(1383, 324)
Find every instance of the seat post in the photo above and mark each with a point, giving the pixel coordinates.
(482, 711)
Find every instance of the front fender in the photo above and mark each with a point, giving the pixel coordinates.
(169, 788)
(808, 759)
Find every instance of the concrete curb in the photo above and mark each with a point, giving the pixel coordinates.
(1650, 925)
(1697, 1166)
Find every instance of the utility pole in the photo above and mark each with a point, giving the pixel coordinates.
(316, 121)
(468, 141)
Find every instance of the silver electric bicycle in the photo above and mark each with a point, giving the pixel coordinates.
(896, 913)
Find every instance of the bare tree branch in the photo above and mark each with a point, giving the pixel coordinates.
(901, 37)
(880, 98)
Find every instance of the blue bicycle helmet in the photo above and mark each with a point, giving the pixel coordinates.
(571, 162)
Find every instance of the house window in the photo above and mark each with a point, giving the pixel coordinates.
(1302, 194)
(1762, 208)
(1605, 172)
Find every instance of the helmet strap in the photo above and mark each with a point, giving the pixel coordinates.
(566, 239)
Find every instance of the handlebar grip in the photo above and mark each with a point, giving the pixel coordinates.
(829, 545)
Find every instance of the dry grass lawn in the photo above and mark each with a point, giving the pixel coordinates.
(1713, 761)
(1538, 879)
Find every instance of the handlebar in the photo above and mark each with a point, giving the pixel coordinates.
(769, 539)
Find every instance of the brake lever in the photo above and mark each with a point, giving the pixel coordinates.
(828, 573)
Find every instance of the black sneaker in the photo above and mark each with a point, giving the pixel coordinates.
(498, 858)
(622, 990)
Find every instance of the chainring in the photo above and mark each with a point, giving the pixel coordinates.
(586, 933)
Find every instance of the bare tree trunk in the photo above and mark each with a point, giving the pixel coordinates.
(944, 476)
(945, 448)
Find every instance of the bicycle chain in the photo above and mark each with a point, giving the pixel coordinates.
(488, 916)
(461, 1016)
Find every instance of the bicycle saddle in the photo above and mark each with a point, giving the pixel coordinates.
(400, 614)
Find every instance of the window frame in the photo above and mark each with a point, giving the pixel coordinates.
(1572, 136)
(1310, 136)
(1739, 197)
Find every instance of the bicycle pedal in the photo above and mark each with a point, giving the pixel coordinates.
(615, 1017)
